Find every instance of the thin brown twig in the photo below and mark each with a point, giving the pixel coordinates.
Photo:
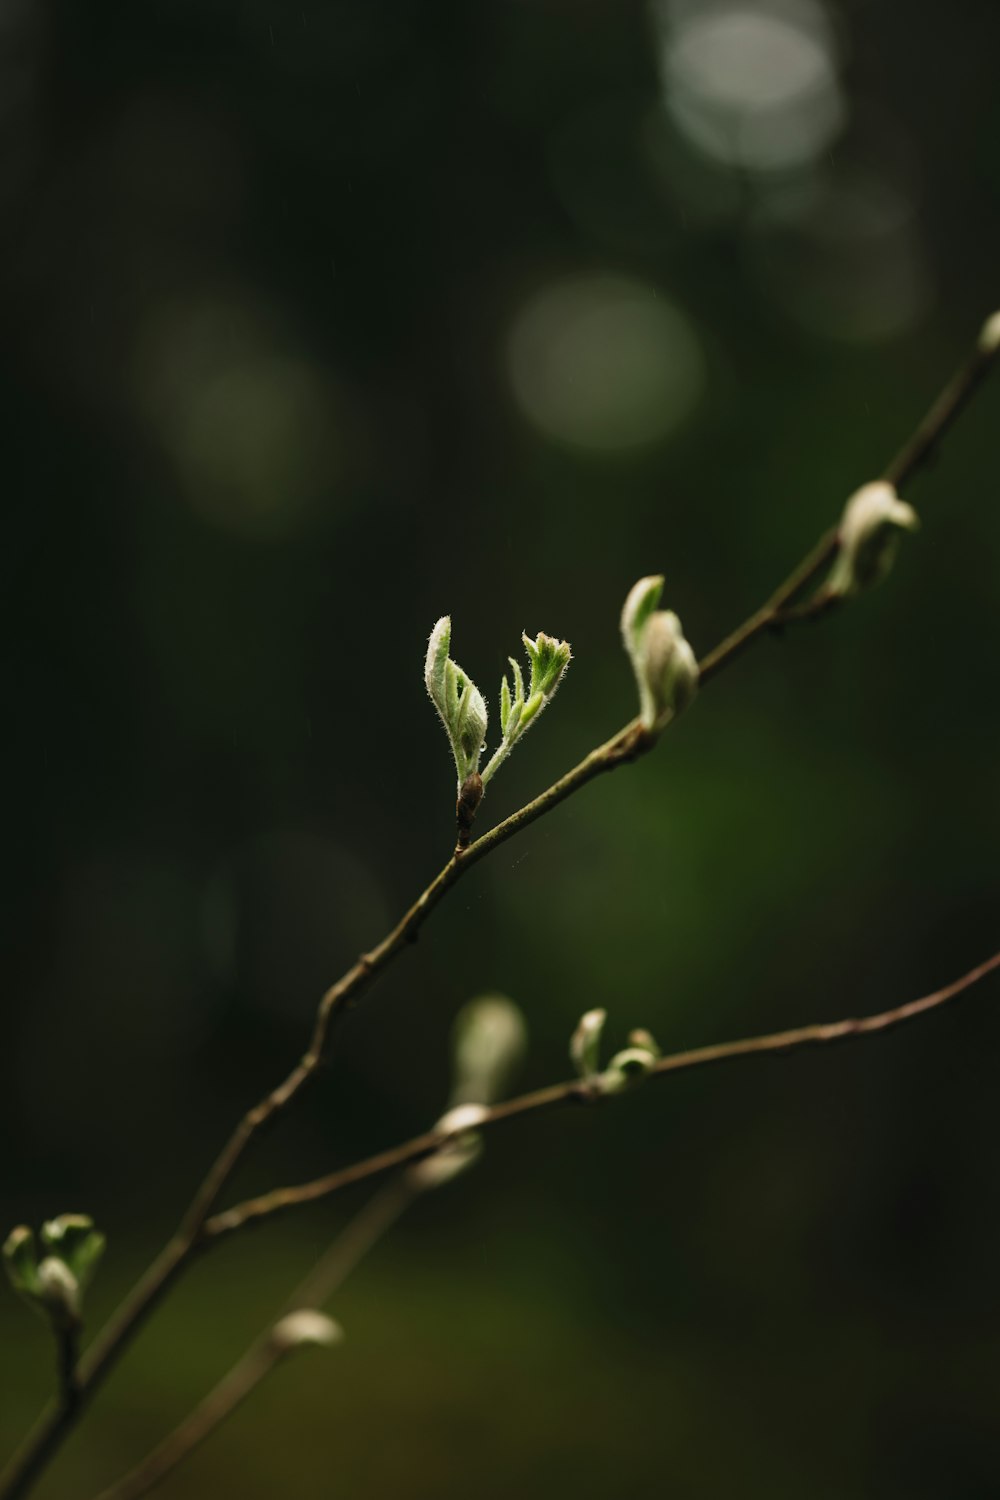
(354, 1242)
(385, 1207)
(581, 1091)
(633, 740)
(782, 610)
(220, 1403)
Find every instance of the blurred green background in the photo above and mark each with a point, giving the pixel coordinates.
(319, 322)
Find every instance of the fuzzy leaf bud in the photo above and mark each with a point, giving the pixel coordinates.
(870, 528)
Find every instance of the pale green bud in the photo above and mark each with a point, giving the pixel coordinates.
(19, 1260)
(645, 1040)
(55, 1285)
(58, 1292)
(489, 1039)
(452, 1159)
(585, 1043)
(548, 660)
(639, 606)
(75, 1240)
(989, 336)
(666, 669)
(458, 701)
(868, 538)
(461, 1145)
(305, 1326)
(626, 1069)
(461, 1119)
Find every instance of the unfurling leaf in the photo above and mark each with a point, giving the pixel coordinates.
(548, 659)
(458, 702)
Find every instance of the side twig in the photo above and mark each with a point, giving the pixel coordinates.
(266, 1353)
(581, 1091)
(382, 1211)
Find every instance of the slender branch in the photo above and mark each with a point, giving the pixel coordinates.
(582, 1091)
(773, 612)
(919, 449)
(220, 1403)
(922, 446)
(623, 747)
(265, 1353)
(384, 1209)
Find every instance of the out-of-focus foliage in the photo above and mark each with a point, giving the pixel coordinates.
(320, 322)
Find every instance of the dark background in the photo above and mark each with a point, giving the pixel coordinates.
(318, 322)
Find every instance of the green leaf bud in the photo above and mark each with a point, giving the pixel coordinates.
(665, 667)
(459, 702)
(585, 1043)
(548, 660)
(639, 606)
(626, 1069)
(452, 1159)
(989, 335)
(645, 1040)
(19, 1259)
(489, 1039)
(305, 1326)
(58, 1292)
(461, 1145)
(460, 1119)
(55, 1285)
(868, 537)
(73, 1238)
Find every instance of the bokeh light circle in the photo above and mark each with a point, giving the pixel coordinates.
(603, 362)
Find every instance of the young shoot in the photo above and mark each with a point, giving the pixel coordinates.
(626, 1068)
(874, 518)
(54, 1285)
(463, 712)
(666, 669)
(548, 659)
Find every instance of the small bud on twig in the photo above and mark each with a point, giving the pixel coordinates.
(585, 1043)
(489, 1039)
(453, 1158)
(458, 702)
(989, 336)
(305, 1326)
(645, 1040)
(548, 659)
(868, 538)
(462, 1118)
(55, 1285)
(626, 1069)
(58, 1292)
(666, 669)
(461, 1148)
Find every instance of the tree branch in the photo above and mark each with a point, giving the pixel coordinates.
(383, 1210)
(265, 1353)
(631, 741)
(583, 1091)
